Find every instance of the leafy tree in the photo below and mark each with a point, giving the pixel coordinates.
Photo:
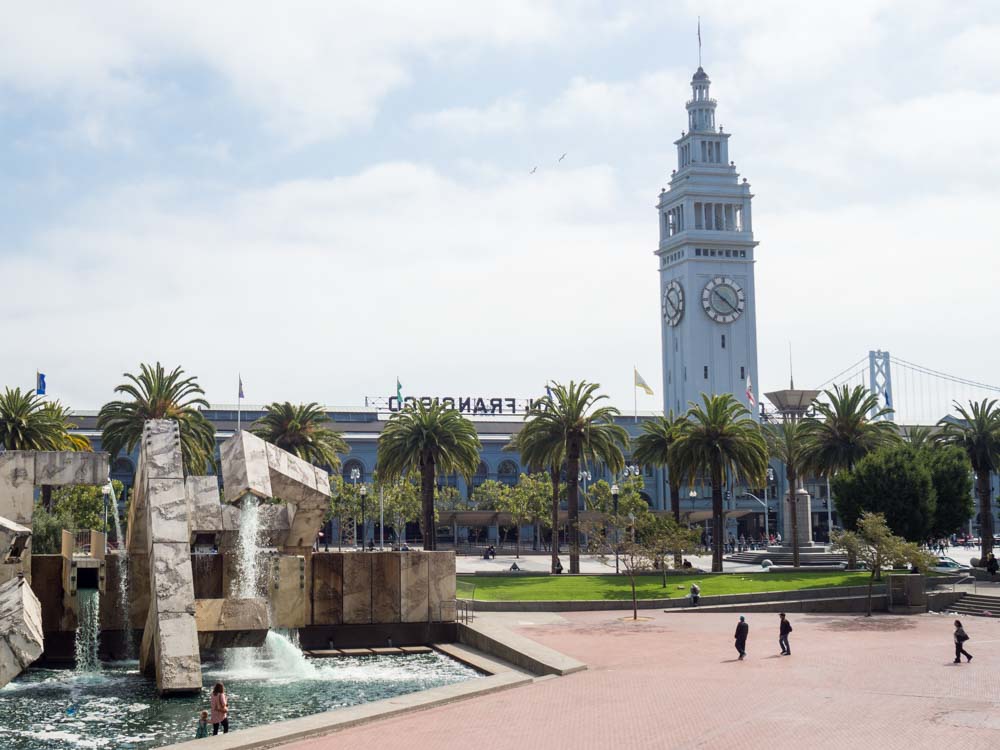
(848, 426)
(630, 500)
(300, 429)
(977, 433)
(951, 474)
(428, 439)
(665, 537)
(787, 442)
(345, 507)
(534, 493)
(654, 447)
(46, 530)
(720, 438)
(402, 503)
(571, 423)
(449, 498)
(893, 481)
(156, 394)
(82, 505)
(525, 502)
(489, 495)
(874, 544)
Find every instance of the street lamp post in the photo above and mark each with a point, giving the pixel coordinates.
(364, 493)
(767, 530)
(381, 519)
(355, 476)
(614, 501)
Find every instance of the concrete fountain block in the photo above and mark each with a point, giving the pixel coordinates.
(17, 485)
(244, 467)
(288, 591)
(231, 623)
(413, 580)
(58, 468)
(386, 587)
(168, 512)
(172, 578)
(178, 658)
(328, 588)
(21, 639)
(357, 588)
(161, 450)
(204, 505)
(441, 584)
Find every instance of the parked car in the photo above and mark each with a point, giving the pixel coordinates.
(948, 565)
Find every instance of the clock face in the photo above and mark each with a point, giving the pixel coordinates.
(673, 302)
(723, 299)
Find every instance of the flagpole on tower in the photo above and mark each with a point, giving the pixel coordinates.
(239, 403)
(699, 41)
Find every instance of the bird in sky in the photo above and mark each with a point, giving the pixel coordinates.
(533, 170)
(562, 157)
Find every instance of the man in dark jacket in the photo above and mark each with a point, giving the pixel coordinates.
(783, 630)
(742, 631)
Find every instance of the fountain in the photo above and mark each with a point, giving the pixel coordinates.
(220, 589)
(122, 567)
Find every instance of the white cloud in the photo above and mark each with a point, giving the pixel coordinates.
(312, 69)
(502, 116)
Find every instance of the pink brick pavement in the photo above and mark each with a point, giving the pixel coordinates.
(673, 682)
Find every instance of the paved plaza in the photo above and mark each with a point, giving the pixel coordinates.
(673, 681)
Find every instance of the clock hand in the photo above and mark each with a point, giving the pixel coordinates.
(730, 304)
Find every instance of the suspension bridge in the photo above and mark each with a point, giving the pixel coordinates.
(917, 394)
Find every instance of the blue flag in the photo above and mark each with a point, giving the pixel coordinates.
(40, 383)
(241, 386)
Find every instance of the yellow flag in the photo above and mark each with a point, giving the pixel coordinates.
(640, 383)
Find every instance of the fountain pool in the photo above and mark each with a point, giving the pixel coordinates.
(117, 708)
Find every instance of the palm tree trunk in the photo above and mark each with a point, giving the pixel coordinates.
(573, 501)
(716, 519)
(675, 506)
(554, 473)
(985, 515)
(793, 501)
(427, 501)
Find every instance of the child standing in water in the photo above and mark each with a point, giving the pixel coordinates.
(220, 709)
(202, 726)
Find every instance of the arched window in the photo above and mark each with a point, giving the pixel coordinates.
(507, 472)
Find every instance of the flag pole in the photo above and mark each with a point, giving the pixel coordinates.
(635, 395)
(239, 402)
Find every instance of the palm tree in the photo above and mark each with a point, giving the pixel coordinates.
(654, 446)
(30, 423)
(157, 394)
(788, 443)
(428, 439)
(299, 429)
(541, 447)
(569, 422)
(720, 438)
(847, 428)
(920, 436)
(978, 434)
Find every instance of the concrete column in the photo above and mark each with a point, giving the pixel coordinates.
(804, 513)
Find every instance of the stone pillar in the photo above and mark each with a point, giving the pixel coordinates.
(804, 512)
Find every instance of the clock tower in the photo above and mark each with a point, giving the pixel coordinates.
(706, 256)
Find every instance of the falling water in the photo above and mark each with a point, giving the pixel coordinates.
(249, 551)
(124, 604)
(247, 578)
(88, 630)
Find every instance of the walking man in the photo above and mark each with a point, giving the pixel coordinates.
(742, 631)
(960, 638)
(784, 628)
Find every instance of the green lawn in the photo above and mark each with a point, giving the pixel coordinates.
(552, 588)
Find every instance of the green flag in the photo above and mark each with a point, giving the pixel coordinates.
(399, 392)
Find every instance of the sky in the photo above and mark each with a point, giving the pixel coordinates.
(325, 196)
